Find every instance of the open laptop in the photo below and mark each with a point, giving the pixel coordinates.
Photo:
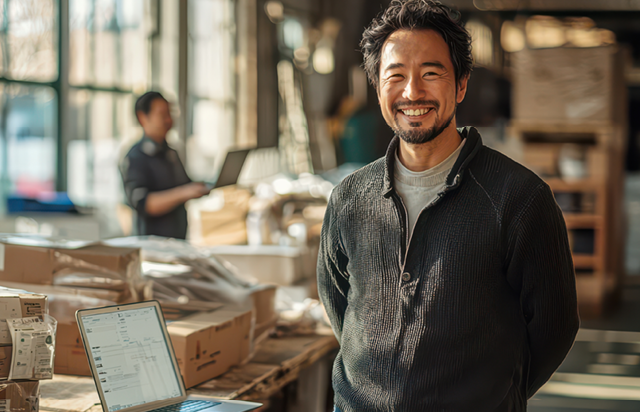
(133, 363)
(230, 170)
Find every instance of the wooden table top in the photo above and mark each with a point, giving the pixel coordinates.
(276, 363)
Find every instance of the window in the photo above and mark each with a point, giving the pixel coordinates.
(28, 111)
(212, 85)
(29, 139)
(117, 50)
(28, 32)
(110, 43)
(111, 51)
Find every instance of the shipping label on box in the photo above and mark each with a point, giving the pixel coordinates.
(33, 348)
(15, 305)
(10, 308)
(208, 344)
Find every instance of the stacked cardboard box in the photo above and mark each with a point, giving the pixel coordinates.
(71, 358)
(63, 303)
(207, 344)
(45, 262)
(75, 275)
(15, 304)
(225, 224)
(18, 396)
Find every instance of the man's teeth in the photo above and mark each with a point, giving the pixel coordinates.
(417, 112)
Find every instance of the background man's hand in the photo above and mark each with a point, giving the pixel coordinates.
(195, 190)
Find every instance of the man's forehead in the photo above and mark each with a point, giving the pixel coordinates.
(159, 103)
(413, 42)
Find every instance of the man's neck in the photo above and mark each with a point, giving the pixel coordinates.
(420, 157)
(157, 139)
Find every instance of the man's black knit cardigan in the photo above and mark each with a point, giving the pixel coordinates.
(475, 314)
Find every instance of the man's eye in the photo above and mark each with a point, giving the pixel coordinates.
(431, 74)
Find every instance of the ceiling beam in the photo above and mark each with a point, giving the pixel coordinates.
(545, 5)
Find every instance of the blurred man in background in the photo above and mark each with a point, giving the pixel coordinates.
(444, 267)
(155, 182)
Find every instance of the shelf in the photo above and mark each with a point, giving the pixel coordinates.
(583, 185)
(579, 126)
(583, 221)
(581, 261)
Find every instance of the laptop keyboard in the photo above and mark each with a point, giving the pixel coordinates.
(188, 406)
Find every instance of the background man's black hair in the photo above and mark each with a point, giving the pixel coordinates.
(143, 104)
(414, 15)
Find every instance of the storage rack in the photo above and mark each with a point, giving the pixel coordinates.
(599, 272)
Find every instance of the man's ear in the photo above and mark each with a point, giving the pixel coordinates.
(141, 117)
(461, 89)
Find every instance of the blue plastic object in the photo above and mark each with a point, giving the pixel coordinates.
(58, 202)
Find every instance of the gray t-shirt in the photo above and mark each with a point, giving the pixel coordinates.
(418, 189)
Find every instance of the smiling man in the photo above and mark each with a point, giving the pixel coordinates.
(444, 267)
(155, 182)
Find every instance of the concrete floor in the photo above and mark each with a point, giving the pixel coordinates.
(602, 371)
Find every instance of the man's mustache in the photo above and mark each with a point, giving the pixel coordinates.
(410, 103)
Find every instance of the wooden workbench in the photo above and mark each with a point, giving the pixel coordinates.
(277, 362)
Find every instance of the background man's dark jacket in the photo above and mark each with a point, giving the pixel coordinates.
(479, 311)
(154, 167)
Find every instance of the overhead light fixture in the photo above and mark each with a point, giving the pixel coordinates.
(274, 10)
(545, 32)
(323, 61)
(511, 37)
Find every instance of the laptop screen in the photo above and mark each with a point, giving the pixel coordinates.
(231, 168)
(132, 357)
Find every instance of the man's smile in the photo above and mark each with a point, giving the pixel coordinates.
(414, 114)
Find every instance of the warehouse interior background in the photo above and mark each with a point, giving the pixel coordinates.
(556, 86)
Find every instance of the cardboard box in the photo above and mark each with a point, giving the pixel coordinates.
(71, 359)
(20, 396)
(122, 260)
(276, 265)
(38, 264)
(115, 296)
(19, 304)
(5, 361)
(225, 225)
(264, 302)
(208, 344)
(569, 84)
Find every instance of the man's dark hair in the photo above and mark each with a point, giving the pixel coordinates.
(143, 104)
(417, 14)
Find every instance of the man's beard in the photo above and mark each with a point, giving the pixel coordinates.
(420, 136)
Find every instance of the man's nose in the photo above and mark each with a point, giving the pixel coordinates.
(415, 89)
